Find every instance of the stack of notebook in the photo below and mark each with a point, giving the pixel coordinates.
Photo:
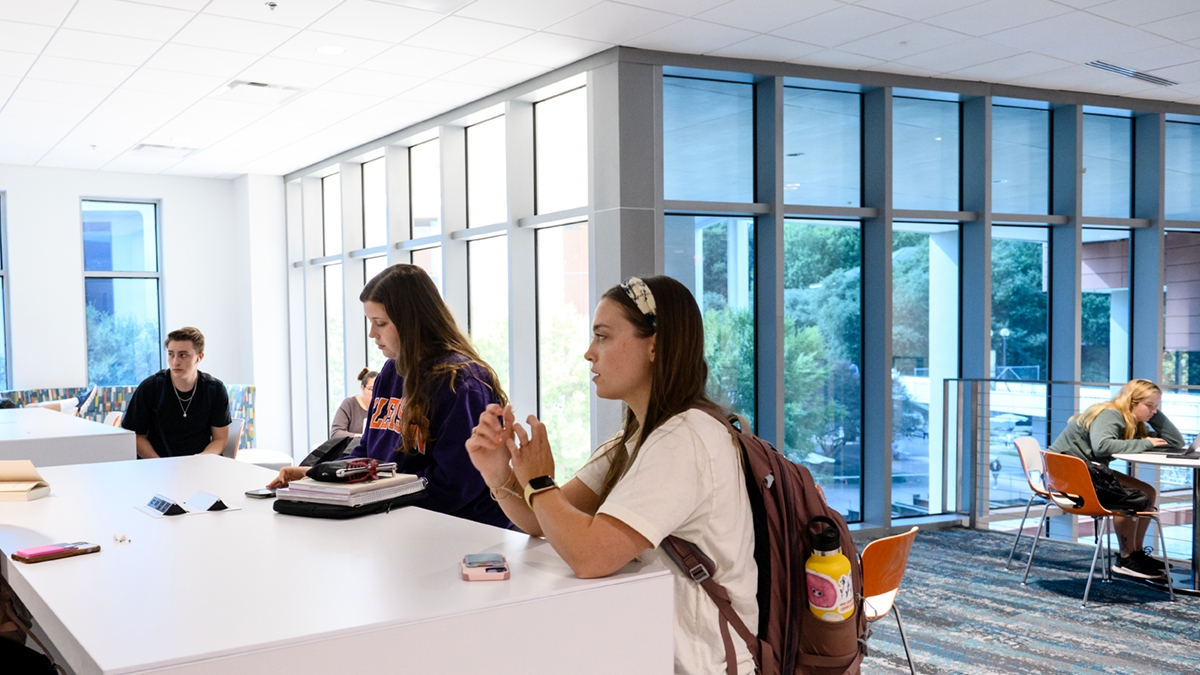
(351, 494)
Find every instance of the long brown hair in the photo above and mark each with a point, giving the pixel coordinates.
(427, 332)
(678, 374)
(1133, 393)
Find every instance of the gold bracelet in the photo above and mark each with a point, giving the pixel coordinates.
(504, 488)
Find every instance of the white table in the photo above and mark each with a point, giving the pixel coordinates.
(1189, 577)
(253, 591)
(51, 438)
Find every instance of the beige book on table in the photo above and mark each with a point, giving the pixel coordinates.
(21, 482)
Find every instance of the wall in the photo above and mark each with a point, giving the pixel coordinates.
(223, 272)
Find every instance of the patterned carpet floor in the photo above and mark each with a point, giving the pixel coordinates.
(964, 614)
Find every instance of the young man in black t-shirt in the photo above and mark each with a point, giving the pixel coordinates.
(180, 411)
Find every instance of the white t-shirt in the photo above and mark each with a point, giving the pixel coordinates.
(687, 481)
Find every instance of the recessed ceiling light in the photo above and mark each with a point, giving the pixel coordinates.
(330, 50)
(256, 92)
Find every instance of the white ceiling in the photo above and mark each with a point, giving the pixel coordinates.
(84, 81)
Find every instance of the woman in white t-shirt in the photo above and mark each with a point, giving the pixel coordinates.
(672, 470)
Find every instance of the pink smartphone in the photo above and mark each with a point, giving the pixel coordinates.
(54, 551)
(484, 567)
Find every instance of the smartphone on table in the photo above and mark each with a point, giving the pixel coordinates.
(54, 552)
(484, 567)
(261, 493)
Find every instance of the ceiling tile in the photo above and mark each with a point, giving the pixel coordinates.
(840, 26)
(22, 156)
(290, 73)
(24, 37)
(399, 108)
(50, 112)
(202, 130)
(1081, 4)
(763, 16)
(1116, 85)
(1078, 37)
(8, 84)
(494, 73)
(76, 157)
(1188, 72)
(134, 163)
(834, 59)
(549, 50)
(303, 47)
(336, 101)
(692, 36)
(680, 7)
(1071, 78)
(613, 23)
(190, 5)
(467, 36)
(44, 12)
(60, 92)
(300, 122)
(907, 40)
(997, 15)
(294, 13)
(1163, 94)
(165, 82)
(199, 60)
(117, 117)
(1162, 57)
(375, 20)
(77, 44)
(106, 138)
(917, 10)
(443, 6)
(57, 69)
(971, 52)
(22, 133)
(1138, 12)
(415, 61)
(901, 69)
(1010, 69)
(235, 35)
(129, 99)
(768, 48)
(1181, 28)
(535, 14)
(449, 94)
(15, 64)
(217, 109)
(127, 18)
(372, 82)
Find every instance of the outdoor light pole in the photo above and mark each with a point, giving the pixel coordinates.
(1004, 333)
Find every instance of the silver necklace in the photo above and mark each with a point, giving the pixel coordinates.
(183, 400)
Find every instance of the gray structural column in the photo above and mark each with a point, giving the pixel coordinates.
(522, 262)
(453, 147)
(297, 324)
(768, 238)
(1149, 267)
(1066, 277)
(398, 214)
(312, 217)
(877, 309)
(354, 332)
(975, 265)
(624, 220)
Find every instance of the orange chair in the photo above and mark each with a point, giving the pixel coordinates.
(1029, 450)
(883, 564)
(1070, 486)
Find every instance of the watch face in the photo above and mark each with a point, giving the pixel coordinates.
(541, 482)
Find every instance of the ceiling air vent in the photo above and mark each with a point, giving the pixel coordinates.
(257, 92)
(163, 150)
(1129, 72)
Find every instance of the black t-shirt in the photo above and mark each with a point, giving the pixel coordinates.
(156, 412)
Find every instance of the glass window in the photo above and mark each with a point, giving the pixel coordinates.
(335, 346)
(924, 294)
(119, 237)
(708, 140)
(1106, 312)
(1107, 166)
(1020, 303)
(374, 187)
(331, 214)
(1020, 160)
(1183, 171)
(1181, 356)
(487, 270)
(425, 188)
(822, 310)
(714, 257)
(372, 267)
(564, 331)
(124, 329)
(925, 164)
(430, 260)
(3, 339)
(487, 199)
(822, 147)
(561, 151)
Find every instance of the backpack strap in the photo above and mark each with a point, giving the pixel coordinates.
(701, 568)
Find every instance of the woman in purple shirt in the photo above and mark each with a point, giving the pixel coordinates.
(428, 396)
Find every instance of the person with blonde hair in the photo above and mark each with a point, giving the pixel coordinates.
(1107, 430)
